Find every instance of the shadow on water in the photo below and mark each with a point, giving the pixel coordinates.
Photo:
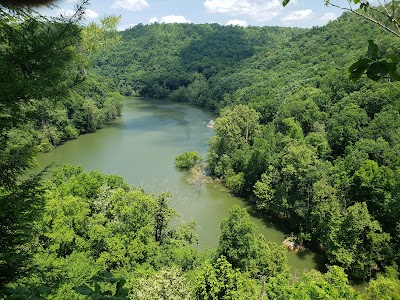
(317, 257)
(268, 221)
(156, 113)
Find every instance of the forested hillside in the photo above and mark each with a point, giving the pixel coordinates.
(308, 145)
(50, 96)
(295, 137)
(180, 61)
(212, 65)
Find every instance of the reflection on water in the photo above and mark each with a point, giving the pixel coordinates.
(141, 146)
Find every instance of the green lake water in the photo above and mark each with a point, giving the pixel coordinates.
(141, 146)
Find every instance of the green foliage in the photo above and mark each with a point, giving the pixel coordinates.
(234, 133)
(20, 205)
(37, 59)
(165, 284)
(44, 66)
(180, 61)
(298, 138)
(237, 241)
(385, 286)
(97, 293)
(221, 281)
(102, 35)
(23, 293)
(294, 134)
(162, 216)
(357, 242)
(93, 223)
(187, 160)
(98, 238)
(332, 285)
(386, 17)
(240, 246)
(374, 66)
(235, 182)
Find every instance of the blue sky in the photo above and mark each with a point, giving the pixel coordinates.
(299, 13)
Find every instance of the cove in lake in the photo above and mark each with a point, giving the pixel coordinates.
(141, 146)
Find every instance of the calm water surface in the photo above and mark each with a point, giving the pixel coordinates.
(141, 146)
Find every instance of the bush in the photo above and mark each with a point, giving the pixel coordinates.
(187, 160)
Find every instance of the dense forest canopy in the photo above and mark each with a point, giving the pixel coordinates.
(177, 61)
(48, 95)
(295, 137)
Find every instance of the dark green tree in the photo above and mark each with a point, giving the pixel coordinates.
(237, 241)
(221, 281)
(37, 61)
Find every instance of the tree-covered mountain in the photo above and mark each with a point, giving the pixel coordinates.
(295, 135)
(177, 60)
(213, 65)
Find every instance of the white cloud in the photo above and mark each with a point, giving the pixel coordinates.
(91, 14)
(328, 17)
(153, 20)
(237, 22)
(131, 5)
(124, 27)
(298, 15)
(258, 10)
(174, 19)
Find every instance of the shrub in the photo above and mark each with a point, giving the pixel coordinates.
(187, 160)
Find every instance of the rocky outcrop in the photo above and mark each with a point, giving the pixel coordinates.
(292, 244)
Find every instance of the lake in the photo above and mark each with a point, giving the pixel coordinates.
(141, 146)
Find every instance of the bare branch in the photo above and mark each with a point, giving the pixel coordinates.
(370, 19)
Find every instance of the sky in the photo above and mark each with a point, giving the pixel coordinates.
(298, 13)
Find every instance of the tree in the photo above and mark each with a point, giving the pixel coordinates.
(300, 169)
(221, 281)
(167, 284)
(187, 160)
(265, 192)
(357, 243)
(326, 211)
(163, 214)
(98, 281)
(37, 62)
(345, 125)
(386, 16)
(92, 222)
(384, 286)
(377, 186)
(332, 285)
(42, 60)
(234, 130)
(100, 36)
(237, 241)
(241, 247)
(271, 260)
(20, 205)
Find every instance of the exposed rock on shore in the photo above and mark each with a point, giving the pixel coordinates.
(292, 244)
